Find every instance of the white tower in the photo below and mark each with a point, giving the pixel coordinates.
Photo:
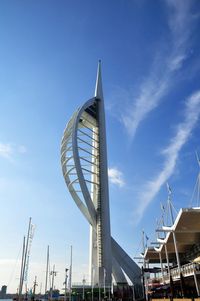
(100, 239)
(84, 166)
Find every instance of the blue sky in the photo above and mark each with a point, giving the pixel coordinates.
(48, 57)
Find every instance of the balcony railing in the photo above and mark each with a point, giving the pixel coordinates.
(187, 270)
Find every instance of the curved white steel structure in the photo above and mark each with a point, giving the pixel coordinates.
(84, 166)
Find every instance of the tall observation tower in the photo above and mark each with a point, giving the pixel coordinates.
(84, 166)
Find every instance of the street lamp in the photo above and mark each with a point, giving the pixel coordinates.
(34, 287)
(53, 274)
(65, 283)
(84, 287)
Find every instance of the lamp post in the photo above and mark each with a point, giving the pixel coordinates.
(65, 283)
(34, 287)
(83, 288)
(53, 274)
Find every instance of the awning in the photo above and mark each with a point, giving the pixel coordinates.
(187, 232)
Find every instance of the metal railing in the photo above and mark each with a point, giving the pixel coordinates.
(186, 270)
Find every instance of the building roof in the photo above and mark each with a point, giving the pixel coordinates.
(187, 232)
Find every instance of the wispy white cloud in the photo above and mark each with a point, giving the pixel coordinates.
(165, 66)
(171, 152)
(116, 177)
(150, 95)
(8, 150)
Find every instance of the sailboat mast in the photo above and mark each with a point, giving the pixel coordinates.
(24, 259)
(22, 264)
(70, 276)
(47, 270)
(25, 255)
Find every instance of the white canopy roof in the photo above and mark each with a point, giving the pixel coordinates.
(187, 232)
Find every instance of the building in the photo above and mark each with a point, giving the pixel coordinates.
(177, 251)
(3, 292)
(84, 166)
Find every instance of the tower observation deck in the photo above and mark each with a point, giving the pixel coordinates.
(85, 170)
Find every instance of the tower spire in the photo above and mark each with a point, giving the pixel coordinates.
(98, 88)
(88, 122)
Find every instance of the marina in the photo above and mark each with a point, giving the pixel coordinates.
(170, 268)
(100, 150)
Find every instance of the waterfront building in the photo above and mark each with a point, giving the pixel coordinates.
(172, 265)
